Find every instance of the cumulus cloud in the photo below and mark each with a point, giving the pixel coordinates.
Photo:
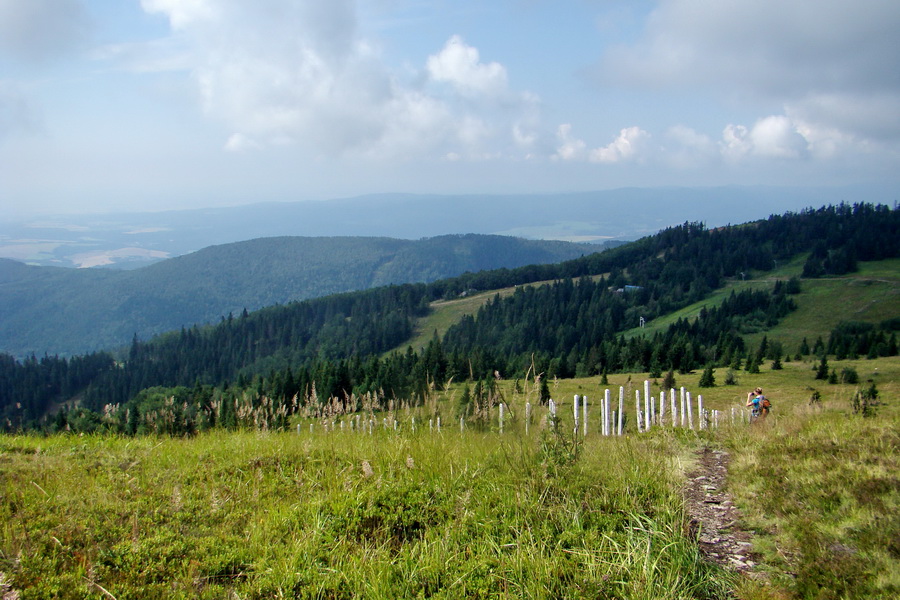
(569, 147)
(627, 146)
(300, 71)
(831, 64)
(39, 30)
(774, 136)
(459, 64)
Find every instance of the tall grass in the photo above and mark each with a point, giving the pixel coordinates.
(476, 514)
(347, 515)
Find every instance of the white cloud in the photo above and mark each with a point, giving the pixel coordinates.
(774, 136)
(687, 148)
(239, 142)
(181, 13)
(300, 71)
(831, 63)
(627, 146)
(460, 65)
(569, 147)
(39, 30)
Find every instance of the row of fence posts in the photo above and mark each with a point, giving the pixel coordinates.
(648, 414)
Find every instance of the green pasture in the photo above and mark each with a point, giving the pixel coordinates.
(473, 514)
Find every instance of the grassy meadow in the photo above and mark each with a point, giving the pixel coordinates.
(473, 514)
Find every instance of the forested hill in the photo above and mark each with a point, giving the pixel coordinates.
(67, 311)
(337, 343)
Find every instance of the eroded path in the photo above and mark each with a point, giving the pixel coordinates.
(714, 520)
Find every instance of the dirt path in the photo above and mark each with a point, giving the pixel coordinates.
(714, 520)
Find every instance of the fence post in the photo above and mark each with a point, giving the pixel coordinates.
(683, 414)
(621, 407)
(647, 412)
(690, 410)
(527, 416)
(439, 424)
(576, 408)
(662, 408)
(501, 417)
(700, 414)
(462, 424)
(607, 425)
(672, 404)
(637, 409)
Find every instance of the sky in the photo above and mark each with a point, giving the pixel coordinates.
(132, 105)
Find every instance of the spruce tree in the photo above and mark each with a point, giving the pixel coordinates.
(545, 391)
(822, 370)
(708, 379)
(668, 381)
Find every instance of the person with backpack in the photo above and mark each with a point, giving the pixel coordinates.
(758, 403)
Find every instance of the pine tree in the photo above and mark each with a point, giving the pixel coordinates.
(822, 370)
(545, 391)
(708, 379)
(668, 381)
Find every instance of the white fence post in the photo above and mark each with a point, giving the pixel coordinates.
(527, 416)
(672, 404)
(700, 414)
(576, 408)
(607, 424)
(637, 409)
(501, 417)
(683, 412)
(621, 407)
(690, 410)
(662, 408)
(647, 412)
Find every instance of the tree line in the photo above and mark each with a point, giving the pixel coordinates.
(570, 326)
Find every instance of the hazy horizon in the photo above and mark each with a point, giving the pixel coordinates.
(144, 105)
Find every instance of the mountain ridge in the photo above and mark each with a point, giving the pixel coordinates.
(56, 310)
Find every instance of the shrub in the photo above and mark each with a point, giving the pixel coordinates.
(849, 375)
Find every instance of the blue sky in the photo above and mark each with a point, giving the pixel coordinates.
(121, 105)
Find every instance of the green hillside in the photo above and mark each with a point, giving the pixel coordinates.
(871, 295)
(572, 319)
(70, 311)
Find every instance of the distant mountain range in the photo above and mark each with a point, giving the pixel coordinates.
(138, 239)
(67, 311)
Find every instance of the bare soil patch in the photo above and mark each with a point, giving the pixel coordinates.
(714, 520)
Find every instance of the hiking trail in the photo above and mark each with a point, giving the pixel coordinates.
(713, 519)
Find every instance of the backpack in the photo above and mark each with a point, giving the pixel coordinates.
(765, 405)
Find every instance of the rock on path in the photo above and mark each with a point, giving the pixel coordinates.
(714, 520)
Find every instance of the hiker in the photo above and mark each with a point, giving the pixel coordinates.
(758, 403)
